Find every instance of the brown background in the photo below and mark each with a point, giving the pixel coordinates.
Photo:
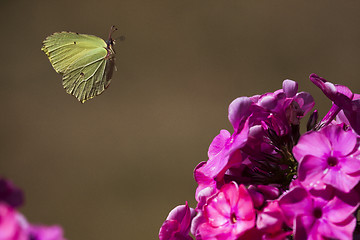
(114, 167)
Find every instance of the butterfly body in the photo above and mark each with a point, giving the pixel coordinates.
(86, 62)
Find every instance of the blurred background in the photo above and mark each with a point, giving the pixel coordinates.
(114, 167)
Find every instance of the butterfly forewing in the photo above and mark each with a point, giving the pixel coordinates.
(84, 60)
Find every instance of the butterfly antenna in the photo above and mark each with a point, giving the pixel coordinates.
(112, 29)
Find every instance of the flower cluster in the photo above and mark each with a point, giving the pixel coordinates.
(264, 180)
(13, 225)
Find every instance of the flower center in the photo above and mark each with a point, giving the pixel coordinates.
(332, 161)
(233, 218)
(317, 212)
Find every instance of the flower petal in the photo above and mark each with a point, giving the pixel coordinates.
(290, 88)
(293, 203)
(341, 141)
(168, 229)
(340, 180)
(306, 146)
(311, 171)
(238, 111)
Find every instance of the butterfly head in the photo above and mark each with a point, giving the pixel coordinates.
(110, 42)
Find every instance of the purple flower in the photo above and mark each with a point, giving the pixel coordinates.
(228, 214)
(343, 99)
(315, 218)
(286, 103)
(262, 193)
(248, 146)
(12, 224)
(295, 105)
(10, 194)
(177, 224)
(273, 122)
(221, 149)
(250, 170)
(330, 156)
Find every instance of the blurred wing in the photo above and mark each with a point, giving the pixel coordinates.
(83, 60)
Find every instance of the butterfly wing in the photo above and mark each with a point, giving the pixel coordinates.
(85, 61)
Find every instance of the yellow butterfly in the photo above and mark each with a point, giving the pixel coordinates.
(86, 62)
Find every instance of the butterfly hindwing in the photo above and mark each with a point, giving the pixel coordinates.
(85, 61)
(84, 78)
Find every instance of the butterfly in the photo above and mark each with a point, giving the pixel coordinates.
(86, 62)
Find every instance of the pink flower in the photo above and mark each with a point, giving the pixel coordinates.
(177, 224)
(228, 214)
(39, 232)
(315, 218)
(206, 186)
(271, 219)
(330, 156)
(12, 224)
